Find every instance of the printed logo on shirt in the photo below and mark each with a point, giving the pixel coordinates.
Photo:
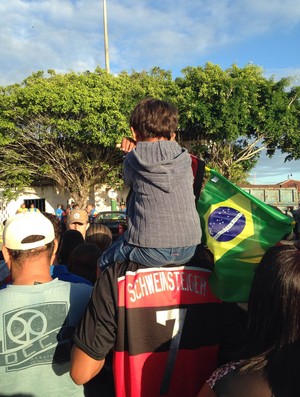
(151, 286)
(35, 335)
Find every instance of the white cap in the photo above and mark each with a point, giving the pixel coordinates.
(23, 225)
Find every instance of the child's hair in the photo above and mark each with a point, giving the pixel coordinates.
(83, 261)
(153, 118)
(69, 240)
(100, 235)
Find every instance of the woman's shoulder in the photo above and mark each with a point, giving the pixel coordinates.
(231, 381)
(222, 371)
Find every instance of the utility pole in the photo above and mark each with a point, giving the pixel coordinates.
(105, 37)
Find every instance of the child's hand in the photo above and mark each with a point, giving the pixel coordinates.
(127, 145)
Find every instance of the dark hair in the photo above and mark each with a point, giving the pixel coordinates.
(153, 118)
(100, 235)
(19, 256)
(282, 370)
(59, 228)
(69, 240)
(271, 355)
(274, 303)
(83, 261)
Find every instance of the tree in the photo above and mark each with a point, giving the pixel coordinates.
(227, 113)
(63, 129)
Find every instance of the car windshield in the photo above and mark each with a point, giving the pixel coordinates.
(111, 215)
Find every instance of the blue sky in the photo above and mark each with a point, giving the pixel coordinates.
(67, 35)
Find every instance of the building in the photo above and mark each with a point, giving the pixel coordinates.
(281, 195)
(291, 183)
(46, 198)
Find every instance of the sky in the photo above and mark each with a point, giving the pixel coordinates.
(67, 35)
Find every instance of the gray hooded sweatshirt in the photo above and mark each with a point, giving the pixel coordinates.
(161, 208)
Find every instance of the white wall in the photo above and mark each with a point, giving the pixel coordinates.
(55, 196)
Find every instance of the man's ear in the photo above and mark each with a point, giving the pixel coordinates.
(55, 248)
(6, 257)
(173, 136)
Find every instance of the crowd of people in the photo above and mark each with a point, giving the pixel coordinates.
(81, 315)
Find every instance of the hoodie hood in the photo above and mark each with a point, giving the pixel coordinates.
(161, 163)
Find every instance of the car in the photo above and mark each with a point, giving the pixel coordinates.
(114, 220)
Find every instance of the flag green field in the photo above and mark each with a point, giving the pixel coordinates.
(238, 229)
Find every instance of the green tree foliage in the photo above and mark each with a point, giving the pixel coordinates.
(226, 113)
(63, 128)
(60, 128)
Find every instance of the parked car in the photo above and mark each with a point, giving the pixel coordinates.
(114, 220)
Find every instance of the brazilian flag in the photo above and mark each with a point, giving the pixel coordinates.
(238, 229)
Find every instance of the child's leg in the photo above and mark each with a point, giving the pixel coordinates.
(112, 254)
(118, 251)
(161, 256)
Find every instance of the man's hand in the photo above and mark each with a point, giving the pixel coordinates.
(127, 144)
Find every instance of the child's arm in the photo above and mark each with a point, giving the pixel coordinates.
(128, 174)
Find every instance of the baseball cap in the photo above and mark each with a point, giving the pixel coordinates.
(23, 225)
(78, 216)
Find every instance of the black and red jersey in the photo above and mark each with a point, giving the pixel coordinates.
(163, 324)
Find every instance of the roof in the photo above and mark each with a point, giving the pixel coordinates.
(289, 183)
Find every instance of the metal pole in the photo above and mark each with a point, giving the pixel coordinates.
(105, 37)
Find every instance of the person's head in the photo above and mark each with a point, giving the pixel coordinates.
(26, 238)
(100, 235)
(78, 220)
(83, 261)
(274, 303)
(59, 227)
(23, 205)
(122, 206)
(153, 118)
(89, 208)
(70, 239)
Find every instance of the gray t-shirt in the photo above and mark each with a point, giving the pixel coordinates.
(36, 328)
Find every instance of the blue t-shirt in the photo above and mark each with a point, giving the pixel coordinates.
(62, 273)
(58, 213)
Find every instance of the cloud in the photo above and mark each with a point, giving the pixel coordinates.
(284, 12)
(279, 73)
(175, 35)
(274, 170)
(68, 34)
(41, 35)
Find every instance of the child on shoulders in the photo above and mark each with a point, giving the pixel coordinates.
(163, 223)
